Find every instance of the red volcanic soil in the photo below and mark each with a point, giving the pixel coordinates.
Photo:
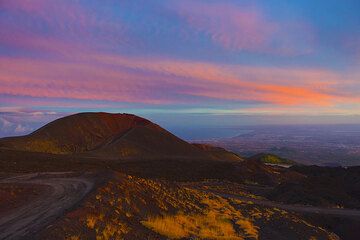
(105, 135)
(14, 195)
(76, 133)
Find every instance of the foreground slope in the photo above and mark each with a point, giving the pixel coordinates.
(129, 207)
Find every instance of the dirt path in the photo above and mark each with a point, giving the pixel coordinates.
(351, 213)
(65, 192)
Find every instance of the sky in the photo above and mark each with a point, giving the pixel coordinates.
(180, 63)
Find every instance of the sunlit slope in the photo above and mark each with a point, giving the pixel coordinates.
(272, 159)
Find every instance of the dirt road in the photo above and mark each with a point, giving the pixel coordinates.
(65, 191)
(351, 213)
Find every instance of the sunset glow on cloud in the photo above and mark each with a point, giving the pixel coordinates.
(206, 57)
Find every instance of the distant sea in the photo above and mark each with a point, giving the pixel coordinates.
(208, 133)
(211, 133)
(329, 145)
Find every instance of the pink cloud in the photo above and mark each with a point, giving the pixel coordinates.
(276, 85)
(246, 28)
(229, 26)
(66, 22)
(93, 76)
(63, 15)
(83, 80)
(26, 40)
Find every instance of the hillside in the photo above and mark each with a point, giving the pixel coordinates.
(147, 181)
(76, 133)
(105, 135)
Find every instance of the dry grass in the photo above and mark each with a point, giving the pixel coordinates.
(248, 227)
(137, 208)
(218, 221)
(73, 238)
(209, 226)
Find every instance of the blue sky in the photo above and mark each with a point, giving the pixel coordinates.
(209, 62)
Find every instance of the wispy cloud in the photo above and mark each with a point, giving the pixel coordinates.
(163, 81)
(42, 25)
(241, 27)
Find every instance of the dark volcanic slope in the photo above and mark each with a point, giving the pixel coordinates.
(105, 135)
(322, 186)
